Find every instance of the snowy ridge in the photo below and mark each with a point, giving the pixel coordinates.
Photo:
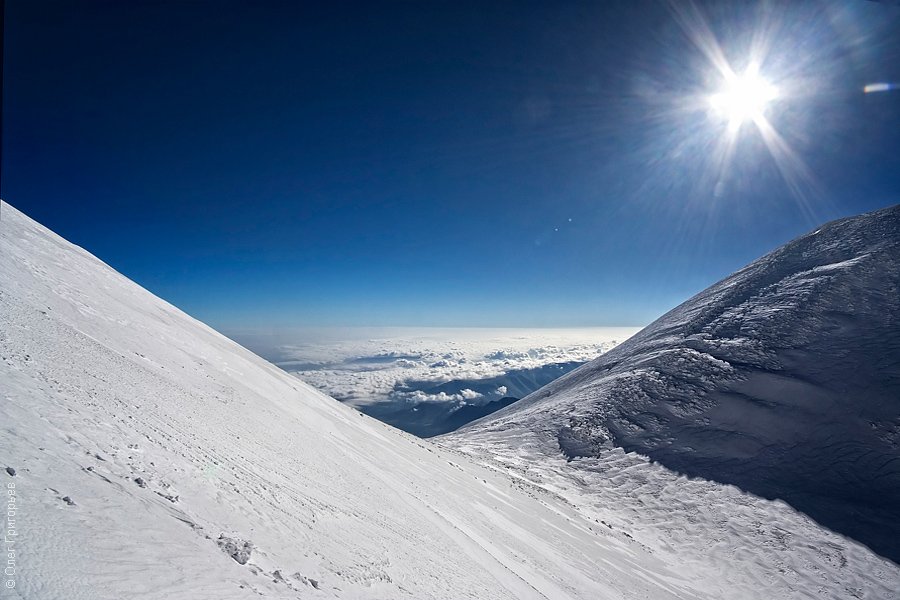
(783, 379)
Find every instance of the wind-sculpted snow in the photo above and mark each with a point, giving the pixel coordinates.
(783, 379)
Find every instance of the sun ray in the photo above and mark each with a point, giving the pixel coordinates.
(796, 174)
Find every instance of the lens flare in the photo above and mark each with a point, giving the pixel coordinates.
(873, 88)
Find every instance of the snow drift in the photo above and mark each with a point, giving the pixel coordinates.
(783, 379)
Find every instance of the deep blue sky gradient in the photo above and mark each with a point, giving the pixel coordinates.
(448, 163)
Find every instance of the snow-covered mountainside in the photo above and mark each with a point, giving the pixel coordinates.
(783, 379)
(151, 457)
(147, 456)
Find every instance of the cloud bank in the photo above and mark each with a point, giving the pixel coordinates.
(414, 366)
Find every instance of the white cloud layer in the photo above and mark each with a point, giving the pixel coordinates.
(363, 365)
(464, 396)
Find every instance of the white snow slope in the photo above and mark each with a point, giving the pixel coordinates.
(164, 435)
(783, 379)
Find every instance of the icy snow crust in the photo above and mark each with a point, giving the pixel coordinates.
(783, 379)
(195, 470)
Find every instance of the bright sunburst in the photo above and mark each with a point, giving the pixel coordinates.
(748, 81)
(744, 98)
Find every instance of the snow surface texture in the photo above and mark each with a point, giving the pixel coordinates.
(155, 458)
(783, 379)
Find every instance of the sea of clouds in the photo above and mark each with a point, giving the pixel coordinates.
(475, 366)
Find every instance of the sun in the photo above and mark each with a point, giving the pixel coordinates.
(744, 94)
(744, 98)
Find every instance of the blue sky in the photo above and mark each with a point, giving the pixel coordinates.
(447, 164)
